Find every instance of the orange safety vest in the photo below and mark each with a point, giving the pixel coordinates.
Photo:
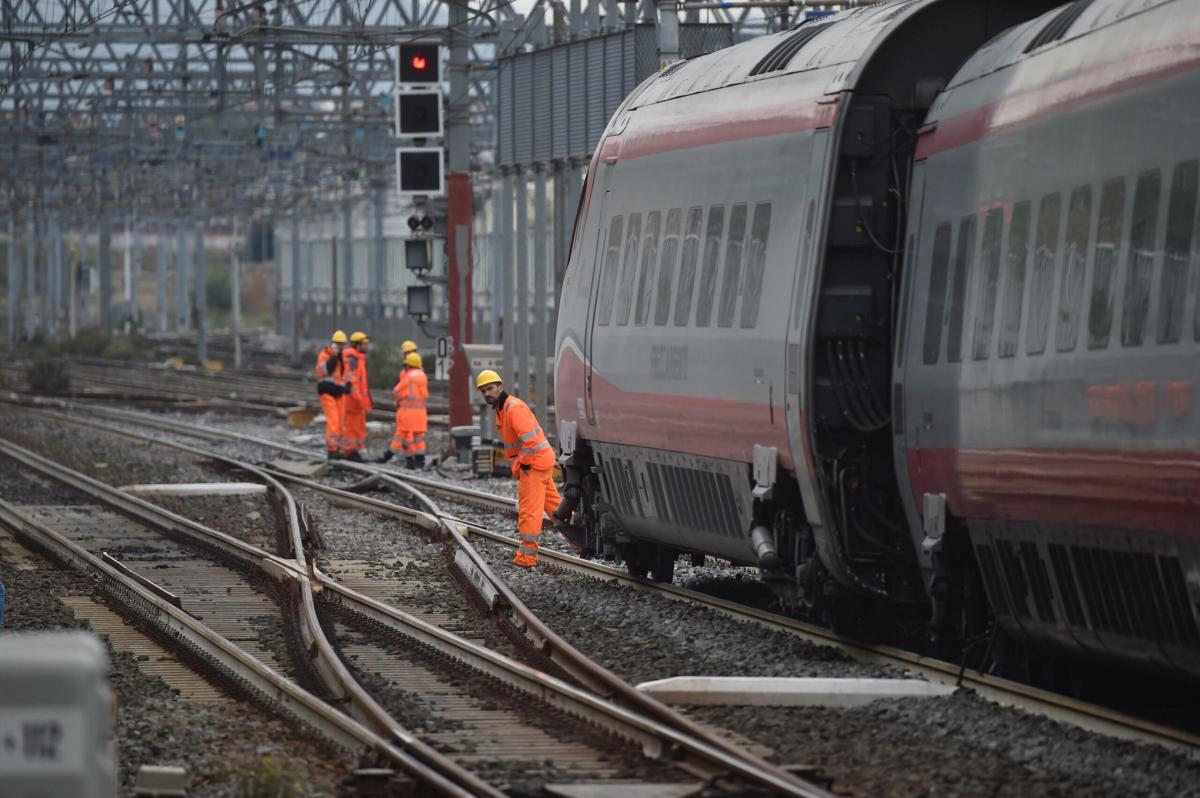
(359, 397)
(410, 394)
(329, 371)
(524, 441)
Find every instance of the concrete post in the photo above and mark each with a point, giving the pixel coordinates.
(74, 267)
(295, 253)
(54, 261)
(201, 309)
(379, 261)
(612, 15)
(508, 272)
(668, 32)
(46, 262)
(104, 260)
(309, 270)
(539, 290)
(522, 326)
(135, 275)
(235, 293)
(347, 263)
(14, 282)
(183, 255)
(160, 275)
(127, 267)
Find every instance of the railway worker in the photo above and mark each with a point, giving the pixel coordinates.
(406, 347)
(532, 462)
(410, 394)
(330, 389)
(358, 398)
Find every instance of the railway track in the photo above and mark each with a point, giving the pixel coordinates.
(1005, 692)
(608, 705)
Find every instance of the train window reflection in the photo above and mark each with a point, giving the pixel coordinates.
(1041, 286)
(963, 255)
(733, 266)
(712, 252)
(989, 258)
(608, 274)
(687, 266)
(935, 310)
(1136, 307)
(649, 262)
(628, 267)
(1104, 267)
(1014, 279)
(1181, 213)
(1070, 295)
(756, 264)
(666, 272)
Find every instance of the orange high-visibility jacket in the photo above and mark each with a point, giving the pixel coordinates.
(330, 372)
(359, 397)
(524, 441)
(411, 393)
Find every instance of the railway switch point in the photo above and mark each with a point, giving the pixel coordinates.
(788, 691)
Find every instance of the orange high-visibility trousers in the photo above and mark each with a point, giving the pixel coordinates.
(536, 495)
(354, 430)
(332, 406)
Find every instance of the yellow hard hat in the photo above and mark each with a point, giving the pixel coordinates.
(408, 346)
(487, 377)
(339, 337)
(412, 359)
(358, 336)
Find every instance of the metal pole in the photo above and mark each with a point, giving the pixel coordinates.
(135, 276)
(164, 243)
(668, 33)
(183, 254)
(29, 299)
(127, 268)
(497, 264)
(508, 269)
(333, 281)
(460, 207)
(309, 268)
(348, 252)
(235, 294)
(522, 326)
(377, 253)
(104, 259)
(201, 309)
(74, 267)
(55, 263)
(295, 253)
(539, 290)
(14, 282)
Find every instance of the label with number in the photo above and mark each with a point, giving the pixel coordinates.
(41, 739)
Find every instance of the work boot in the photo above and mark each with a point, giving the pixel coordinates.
(408, 463)
(419, 461)
(354, 457)
(333, 454)
(387, 456)
(524, 559)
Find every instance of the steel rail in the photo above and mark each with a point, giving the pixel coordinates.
(693, 745)
(271, 687)
(294, 573)
(1002, 691)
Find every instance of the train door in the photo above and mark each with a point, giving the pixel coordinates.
(812, 201)
(602, 186)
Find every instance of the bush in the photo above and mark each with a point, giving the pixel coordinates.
(384, 362)
(47, 375)
(266, 779)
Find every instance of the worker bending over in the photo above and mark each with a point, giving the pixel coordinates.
(331, 389)
(532, 462)
(358, 397)
(410, 395)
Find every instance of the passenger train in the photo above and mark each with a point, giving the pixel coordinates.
(900, 305)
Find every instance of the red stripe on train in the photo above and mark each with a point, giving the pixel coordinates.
(1150, 490)
(1083, 88)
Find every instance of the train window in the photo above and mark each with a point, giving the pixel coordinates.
(1172, 289)
(733, 266)
(628, 267)
(963, 255)
(712, 253)
(666, 272)
(756, 264)
(649, 261)
(608, 275)
(1041, 289)
(1014, 279)
(687, 266)
(935, 310)
(1104, 267)
(1070, 295)
(989, 259)
(801, 284)
(1136, 306)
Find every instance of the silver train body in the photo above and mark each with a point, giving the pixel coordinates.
(900, 305)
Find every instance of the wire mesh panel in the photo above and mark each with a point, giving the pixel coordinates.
(523, 114)
(560, 100)
(505, 114)
(577, 113)
(597, 77)
(542, 110)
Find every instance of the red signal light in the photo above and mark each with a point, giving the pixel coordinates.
(419, 62)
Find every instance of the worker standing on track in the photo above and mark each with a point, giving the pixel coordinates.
(410, 394)
(532, 462)
(330, 390)
(358, 397)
